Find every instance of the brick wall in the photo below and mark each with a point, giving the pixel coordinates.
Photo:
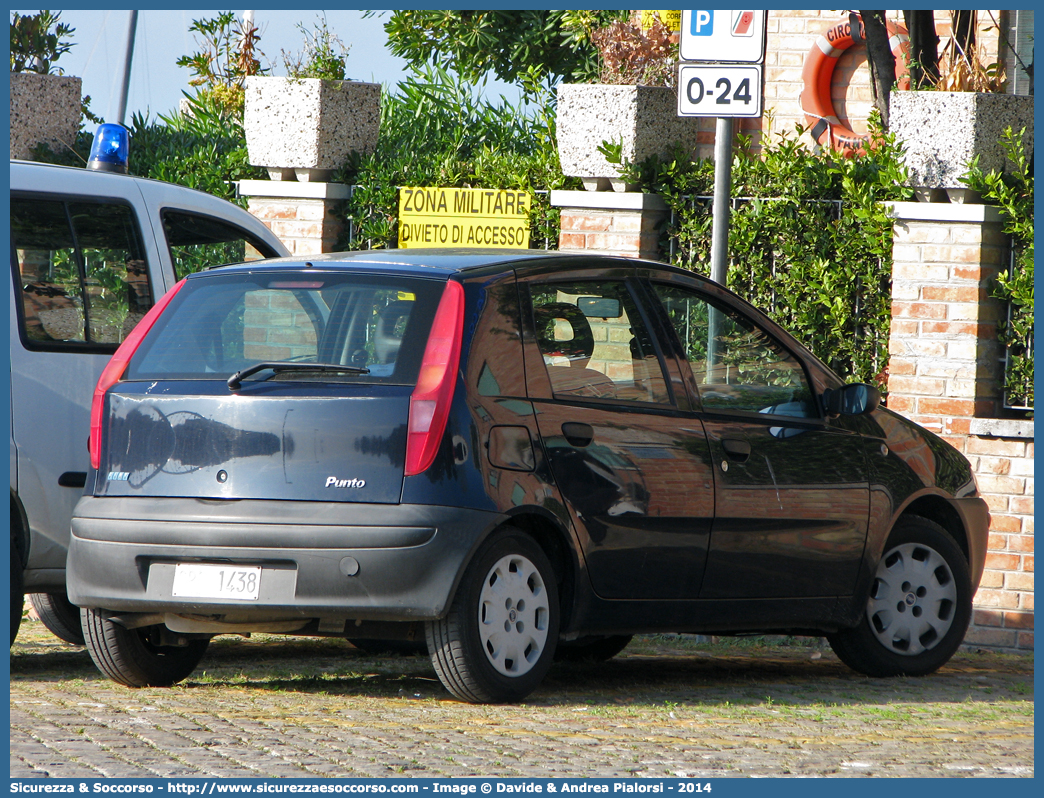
(1004, 603)
(302, 215)
(944, 373)
(626, 224)
(623, 233)
(305, 226)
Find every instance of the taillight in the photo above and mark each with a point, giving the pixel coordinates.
(117, 365)
(431, 399)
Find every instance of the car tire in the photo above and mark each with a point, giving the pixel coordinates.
(59, 615)
(497, 641)
(592, 649)
(129, 658)
(918, 609)
(17, 596)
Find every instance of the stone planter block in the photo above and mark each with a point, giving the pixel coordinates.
(307, 128)
(644, 118)
(44, 109)
(942, 131)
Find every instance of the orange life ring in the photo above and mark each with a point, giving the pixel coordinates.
(818, 73)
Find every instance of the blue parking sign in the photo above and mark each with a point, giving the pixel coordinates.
(701, 23)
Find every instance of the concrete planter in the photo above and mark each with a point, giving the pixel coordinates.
(644, 118)
(44, 109)
(942, 131)
(305, 129)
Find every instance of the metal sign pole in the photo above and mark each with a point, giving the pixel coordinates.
(132, 25)
(722, 195)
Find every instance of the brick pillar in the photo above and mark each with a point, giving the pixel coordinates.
(945, 365)
(300, 214)
(945, 373)
(610, 223)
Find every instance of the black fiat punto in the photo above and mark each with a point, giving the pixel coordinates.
(499, 455)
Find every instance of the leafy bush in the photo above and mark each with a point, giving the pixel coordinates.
(204, 148)
(809, 240)
(36, 42)
(510, 44)
(323, 56)
(1013, 193)
(228, 55)
(629, 55)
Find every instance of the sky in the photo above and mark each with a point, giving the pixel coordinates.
(163, 36)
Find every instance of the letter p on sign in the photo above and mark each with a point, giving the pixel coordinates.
(702, 23)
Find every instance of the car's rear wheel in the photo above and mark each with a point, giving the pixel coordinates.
(133, 657)
(497, 641)
(918, 608)
(592, 649)
(59, 615)
(17, 597)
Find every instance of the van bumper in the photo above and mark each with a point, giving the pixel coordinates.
(318, 560)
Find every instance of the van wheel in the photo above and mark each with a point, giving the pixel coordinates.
(59, 615)
(918, 608)
(131, 658)
(17, 597)
(498, 639)
(592, 649)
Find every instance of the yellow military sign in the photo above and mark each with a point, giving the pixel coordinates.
(670, 19)
(463, 217)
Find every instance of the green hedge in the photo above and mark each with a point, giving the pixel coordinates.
(809, 241)
(1013, 193)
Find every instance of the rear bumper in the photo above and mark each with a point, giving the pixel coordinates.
(319, 560)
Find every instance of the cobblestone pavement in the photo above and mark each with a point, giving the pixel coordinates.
(284, 707)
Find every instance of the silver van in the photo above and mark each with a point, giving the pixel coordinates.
(91, 252)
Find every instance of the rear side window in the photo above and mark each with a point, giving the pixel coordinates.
(81, 271)
(594, 343)
(221, 324)
(198, 242)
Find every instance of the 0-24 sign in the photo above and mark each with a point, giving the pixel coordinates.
(719, 90)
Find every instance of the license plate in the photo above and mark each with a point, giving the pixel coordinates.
(192, 580)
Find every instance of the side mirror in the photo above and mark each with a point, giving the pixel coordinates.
(851, 400)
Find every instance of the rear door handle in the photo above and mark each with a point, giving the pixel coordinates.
(577, 433)
(737, 448)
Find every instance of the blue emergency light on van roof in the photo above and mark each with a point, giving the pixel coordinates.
(109, 153)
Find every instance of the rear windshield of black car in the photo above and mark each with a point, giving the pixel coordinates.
(218, 325)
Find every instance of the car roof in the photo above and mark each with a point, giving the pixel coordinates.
(445, 262)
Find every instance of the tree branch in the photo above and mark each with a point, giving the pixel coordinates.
(879, 57)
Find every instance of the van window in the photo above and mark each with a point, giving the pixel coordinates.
(81, 269)
(221, 323)
(198, 242)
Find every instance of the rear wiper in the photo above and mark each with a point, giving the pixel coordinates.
(236, 379)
